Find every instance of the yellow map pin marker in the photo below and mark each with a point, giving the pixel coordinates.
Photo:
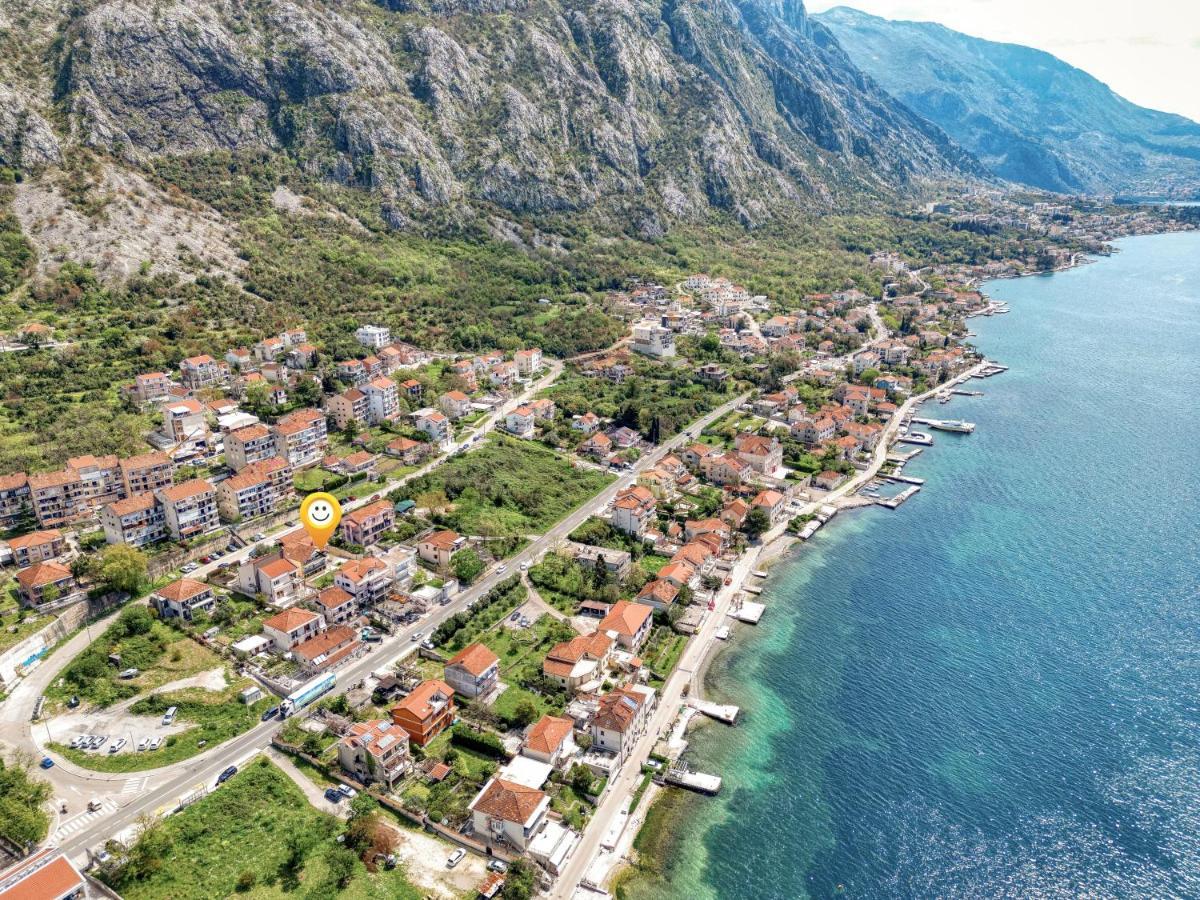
(320, 514)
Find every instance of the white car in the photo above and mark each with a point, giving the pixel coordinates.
(156, 743)
(143, 744)
(348, 792)
(501, 569)
(455, 858)
(117, 745)
(418, 635)
(77, 741)
(525, 566)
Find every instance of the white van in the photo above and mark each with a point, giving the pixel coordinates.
(169, 716)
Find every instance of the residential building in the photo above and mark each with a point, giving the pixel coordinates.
(508, 814)
(292, 627)
(473, 671)
(373, 336)
(239, 359)
(37, 546)
(146, 473)
(550, 740)
(438, 547)
(57, 498)
(367, 580)
(328, 650)
(634, 510)
(653, 339)
(725, 469)
(383, 400)
(151, 387)
(628, 623)
(183, 599)
(367, 524)
(199, 372)
(616, 563)
(99, 479)
(14, 499)
(426, 712)
(251, 444)
(599, 445)
(434, 424)
(337, 606)
(828, 480)
(375, 752)
(762, 454)
(349, 406)
(588, 423)
(520, 422)
(407, 450)
(455, 404)
(529, 362)
(621, 719)
(693, 456)
(579, 662)
(772, 503)
(658, 594)
(278, 579)
(302, 437)
(270, 349)
(259, 489)
(137, 521)
(45, 582)
(190, 509)
(47, 874)
(352, 372)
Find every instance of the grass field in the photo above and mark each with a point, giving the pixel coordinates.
(253, 824)
(216, 716)
(508, 487)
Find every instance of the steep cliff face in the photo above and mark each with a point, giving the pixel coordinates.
(1027, 115)
(655, 110)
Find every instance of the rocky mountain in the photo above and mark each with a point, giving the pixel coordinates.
(1027, 115)
(452, 108)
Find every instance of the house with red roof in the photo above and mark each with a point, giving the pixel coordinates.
(426, 712)
(628, 623)
(474, 671)
(508, 814)
(550, 740)
(375, 752)
(183, 599)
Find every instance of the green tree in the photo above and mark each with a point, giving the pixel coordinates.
(122, 568)
(519, 881)
(757, 522)
(525, 713)
(466, 565)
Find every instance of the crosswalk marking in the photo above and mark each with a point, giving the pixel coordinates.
(70, 826)
(135, 785)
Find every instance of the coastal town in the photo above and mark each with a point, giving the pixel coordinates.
(496, 663)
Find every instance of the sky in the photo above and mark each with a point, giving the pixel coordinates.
(1148, 51)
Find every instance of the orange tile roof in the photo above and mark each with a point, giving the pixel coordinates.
(35, 538)
(418, 702)
(379, 507)
(358, 569)
(187, 489)
(475, 659)
(136, 503)
(333, 596)
(548, 734)
(42, 573)
(183, 589)
(442, 540)
(508, 800)
(626, 618)
(290, 619)
(277, 567)
(145, 461)
(47, 875)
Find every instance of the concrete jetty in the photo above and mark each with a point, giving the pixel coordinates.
(726, 712)
(894, 502)
(903, 479)
(749, 612)
(916, 437)
(694, 781)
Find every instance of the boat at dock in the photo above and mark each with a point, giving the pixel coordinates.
(916, 437)
(956, 425)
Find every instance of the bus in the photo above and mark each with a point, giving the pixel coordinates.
(306, 694)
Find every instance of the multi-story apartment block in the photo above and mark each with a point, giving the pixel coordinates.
(14, 499)
(190, 508)
(375, 751)
(634, 510)
(653, 339)
(352, 371)
(365, 525)
(433, 423)
(57, 498)
(37, 546)
(260, 488)
(199, 372)
(137, 521)
(529, 362)
(183, 599)
(100, 479)
(367, 580)
(151, 387)
(373, 336)
(348, 406)
(291, 627)
(383, 400)
(184, 422)
(251, 444)
(277, 578)
(146, 473)
(302, 437)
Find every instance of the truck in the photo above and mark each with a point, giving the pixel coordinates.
(306, 694)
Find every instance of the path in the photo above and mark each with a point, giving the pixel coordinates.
(314, 793)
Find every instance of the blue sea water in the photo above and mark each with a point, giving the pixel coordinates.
(993, 691)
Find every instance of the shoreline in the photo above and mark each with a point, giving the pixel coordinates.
(774, 550)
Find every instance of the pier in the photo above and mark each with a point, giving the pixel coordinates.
(961, 393)
(897, 457)
(749, 612)
(916, 437)
(903, 479)
(894, 502)
(727, 713)
(693, 781)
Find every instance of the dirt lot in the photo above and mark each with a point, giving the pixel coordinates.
(424, 859)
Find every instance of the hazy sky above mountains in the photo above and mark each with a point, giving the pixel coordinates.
(1147, 51)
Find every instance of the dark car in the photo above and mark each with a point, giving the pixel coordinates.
(73, 702)
(226, 775)
(270, 713)
(333, 795)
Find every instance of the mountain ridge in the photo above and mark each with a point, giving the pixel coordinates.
(1027, 115)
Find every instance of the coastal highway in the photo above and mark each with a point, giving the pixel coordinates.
(165, 786)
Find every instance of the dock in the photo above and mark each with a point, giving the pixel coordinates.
(694, 781)
(961, 393)
(916, 437)
(749, 612)
(749, 589)
(759, 573)
(810, 528)
(989, 370)
(903, 479)
(897, 457)
(727, 713)
(894, 502)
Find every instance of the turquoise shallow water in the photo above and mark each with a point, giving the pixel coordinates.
(995, 690)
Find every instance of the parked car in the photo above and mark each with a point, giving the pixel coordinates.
(156, 743)
(525, 566)
(418, 635)
(117, 745)
(46, 763)
(226, 775)
(455, 858)
(501, 569)
(76, 742)
(131, 672)
(428, 645)
(73, 702)
(143, 744)
(260, 536)
(270, 713)
(498, 865)
(333, 795)
(348, 792)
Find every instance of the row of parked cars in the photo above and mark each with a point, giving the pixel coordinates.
(96, 741)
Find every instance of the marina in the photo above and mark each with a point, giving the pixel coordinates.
(920, 438)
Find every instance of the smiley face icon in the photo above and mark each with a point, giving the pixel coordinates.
(320, 514)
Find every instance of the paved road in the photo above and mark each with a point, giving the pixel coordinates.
(166, 785)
